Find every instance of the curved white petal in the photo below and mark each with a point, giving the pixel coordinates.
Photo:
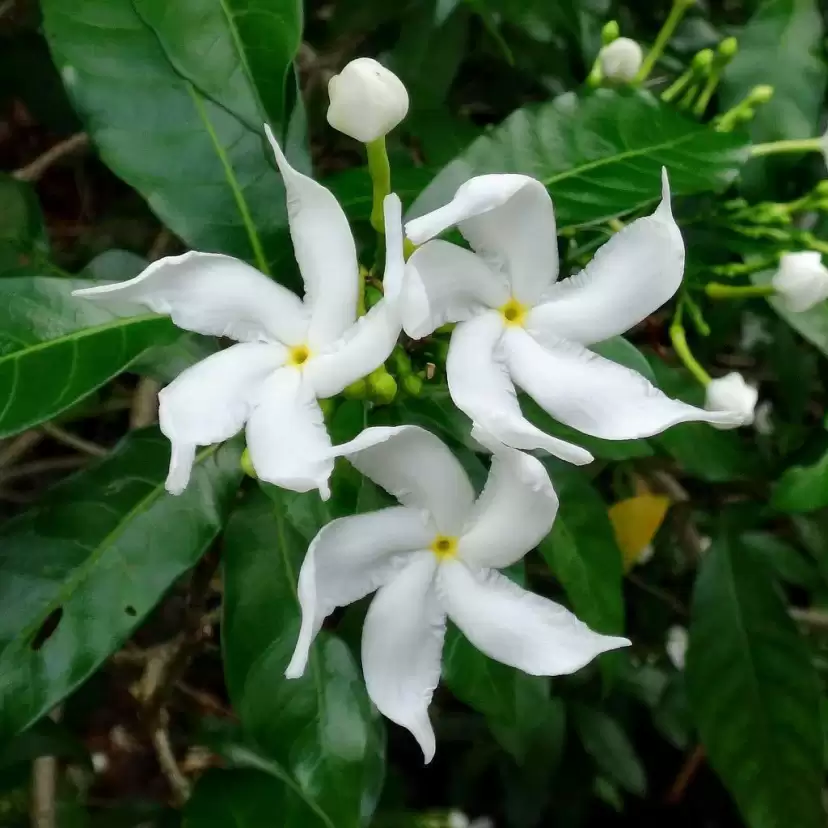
(445, 283)
(594, 395)
(402, 645)
(631, 276)
(325, 250)
(286, 435)
(479, 384)
(365, 346)
(392, 279)
(514, 512)
(211, 401)
(509, 220)
(517, 627)
(417, 468)
(215, 295)
(349, 558)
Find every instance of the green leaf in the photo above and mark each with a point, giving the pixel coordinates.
(811, 324)
(321, 729)
(600, 156)
(583, 554)
(783, 559)
(70, 345)
(44, 738)
(247, 799)
(624, 353)
(802, 488)
(754, 692)
(94, 557)
(23, 240)
(174, 97)
(608, 744)
(792, 31)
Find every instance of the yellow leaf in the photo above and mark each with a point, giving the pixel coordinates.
(636, 521)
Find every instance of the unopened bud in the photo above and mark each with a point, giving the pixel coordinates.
(760, 94)
(412, 385)
(801, 280)
(356, 390)
(610, 32)
(702, 60)
(367, 100)
(384, 388)
(621, 60)
(731, 393)
(728, 48)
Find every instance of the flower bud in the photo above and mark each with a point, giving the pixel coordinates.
(728, 48)
(357, 390)
(801, 281)
(384, 387)
(367, 100)
(676, 646)
(247, 464)
(412, 384)
(610, 32)
(732, 393)
(621, 60)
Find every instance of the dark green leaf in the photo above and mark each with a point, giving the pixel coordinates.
(600, 156)
(803, 488)
(44, 738)
(94, 557)
(247, 799)
(320, 729)
(23, 240)
(175, 97)
(754, 692)
(72, 346)
(607, 743)
(783, 559)
(624, 353)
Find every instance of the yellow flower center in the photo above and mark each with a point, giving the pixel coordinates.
(444, 547)
(298, 355)
(514, 312)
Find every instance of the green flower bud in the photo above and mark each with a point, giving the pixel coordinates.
(702, 60)
(412, 384)
(728, 48)
(247, 464)
(327, 406)
(384, 388)
(760, 94)
(356, 390)
(402, 362)
(610, 31)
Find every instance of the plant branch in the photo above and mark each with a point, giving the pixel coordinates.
(33, 171)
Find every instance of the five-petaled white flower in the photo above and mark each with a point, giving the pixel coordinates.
(290, 352)
(434, 556)
(518, 325)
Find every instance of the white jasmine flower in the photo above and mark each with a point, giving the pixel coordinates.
(801, 280)
(434, 556)
(732, 393)
(517, 325)
(367, 100)
(290, 353)
(621, 60)
(676, 646)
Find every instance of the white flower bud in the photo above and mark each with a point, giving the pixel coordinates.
(801, 281)
(457, 819)
(732, 393)
(367, 100)
(676, 646)
(621, 60)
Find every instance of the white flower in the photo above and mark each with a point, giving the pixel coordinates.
(519, 326)
(291, 352)
(801, 281)
(731, 393)
(434, 556)
(621, 60)
(763, 419)
(676, 646)
(367, 100)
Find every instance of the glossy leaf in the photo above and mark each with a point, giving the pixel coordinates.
(174, 98)
(94, 557)
(600, 156)
(803, 488)
(754, 692)
(321, 729)
(71, 345)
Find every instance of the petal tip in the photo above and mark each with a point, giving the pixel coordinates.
(665, 209)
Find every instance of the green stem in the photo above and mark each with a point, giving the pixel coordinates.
(793, 145)
(380, 171)
(662, 38)
(679, 340)
(678, 86)
(707, 92)
(716, 290)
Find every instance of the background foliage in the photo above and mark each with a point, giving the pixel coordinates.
(143, 637)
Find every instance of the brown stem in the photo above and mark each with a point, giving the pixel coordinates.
(685, 776)
(33, 171)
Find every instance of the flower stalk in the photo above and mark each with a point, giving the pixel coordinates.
(745, 109)
(663, 37)
(716, 290)
(791, 145)
(379, 169)
(679, 339)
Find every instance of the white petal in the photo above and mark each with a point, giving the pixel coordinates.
(392, 279)
(365, 346)
(402, 645)
(286, 435)
(215, 295)
(348, 559)
(593, 394)
(507, 219)
(513, 514)
(211, 402)
(417, 468)
(445, 283)
(517, 627)
(480, 387)
(325, 250)
(631, 276)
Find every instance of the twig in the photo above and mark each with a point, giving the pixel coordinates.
(685, 776)
(42, 467)
(19, 446)
(167, 761)
(810, 617)
(162, 242)
(659, 593)
(33, 171)
(73, 441)
(44, 787)
(144, 403)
